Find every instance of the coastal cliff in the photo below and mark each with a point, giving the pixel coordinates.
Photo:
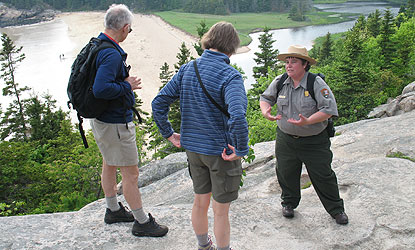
(11, 16)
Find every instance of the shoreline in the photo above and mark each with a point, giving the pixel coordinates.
(152, 43)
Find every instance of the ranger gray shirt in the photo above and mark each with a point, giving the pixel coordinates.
(294, 101)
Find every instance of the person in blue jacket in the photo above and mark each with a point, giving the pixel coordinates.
(214, 142)
(114, 130)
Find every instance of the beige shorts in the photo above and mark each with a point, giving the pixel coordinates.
(117, 143)
(210, 173)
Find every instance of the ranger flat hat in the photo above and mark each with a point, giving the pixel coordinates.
(297, 51)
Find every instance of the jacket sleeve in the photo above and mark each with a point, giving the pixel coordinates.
(161, 104)
(109, 63)
(236, 100)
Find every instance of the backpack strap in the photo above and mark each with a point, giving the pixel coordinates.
(81, 130)
(280, 82)
(224, 111)
(310, 83)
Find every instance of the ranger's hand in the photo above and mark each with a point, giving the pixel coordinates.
(301, 122)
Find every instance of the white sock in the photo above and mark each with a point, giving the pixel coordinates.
(203, 240)
(112, 203)
(140, 216)
(224, 248)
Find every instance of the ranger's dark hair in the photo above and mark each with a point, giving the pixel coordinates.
(307, 68)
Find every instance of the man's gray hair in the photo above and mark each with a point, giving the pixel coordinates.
(117, 16)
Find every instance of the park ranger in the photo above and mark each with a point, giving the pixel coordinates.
(301, 134)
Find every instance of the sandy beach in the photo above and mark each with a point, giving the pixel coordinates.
(151, 43)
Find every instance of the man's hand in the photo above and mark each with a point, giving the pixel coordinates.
(175, 140)
(231, 157)
(134, 82)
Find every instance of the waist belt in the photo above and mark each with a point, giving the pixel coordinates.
(296, 136)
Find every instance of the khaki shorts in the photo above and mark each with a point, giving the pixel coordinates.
(210, 173)
(117, 143)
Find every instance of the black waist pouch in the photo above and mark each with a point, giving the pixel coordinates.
(330, 128)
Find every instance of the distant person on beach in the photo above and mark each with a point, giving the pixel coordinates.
(214, 142)
(301, 134)
(114, 130)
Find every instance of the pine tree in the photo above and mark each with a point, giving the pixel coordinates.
(43, 120)
(353, 80)
(31, 119)
(410, 10)
(156, 140)
(297, 11)
(141, 130)
(158, 144)
(183, 56)
(326, 50)
(200, 31)
(360, 26)
(386, 44)
(373, 24)
(13, 122)
(404, 61)
(165, 74)
(267, 57)
(400, 18)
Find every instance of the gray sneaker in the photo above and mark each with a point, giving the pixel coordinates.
(210, 245)
(122, 215)
(149, 229)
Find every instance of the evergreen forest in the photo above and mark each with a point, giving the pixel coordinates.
(219, 7)
(197, 6)
(44, 167)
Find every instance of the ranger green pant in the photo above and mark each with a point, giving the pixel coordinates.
(314, 152)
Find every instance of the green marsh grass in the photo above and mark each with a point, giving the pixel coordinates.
(247, 23)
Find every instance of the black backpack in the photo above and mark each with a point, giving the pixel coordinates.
(310, 88)
(81, 80)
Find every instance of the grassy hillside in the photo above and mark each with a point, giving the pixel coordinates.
(246, 23)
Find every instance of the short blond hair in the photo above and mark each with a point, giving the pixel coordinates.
(223, 37)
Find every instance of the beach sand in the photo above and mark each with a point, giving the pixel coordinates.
(151, 43)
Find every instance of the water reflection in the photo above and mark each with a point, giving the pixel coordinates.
(306, 35)
(364, 8)
(44, 69)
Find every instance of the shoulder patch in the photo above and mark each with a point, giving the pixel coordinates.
(325, 93)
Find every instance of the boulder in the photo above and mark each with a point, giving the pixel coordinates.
(401, 104)
(378, 193)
